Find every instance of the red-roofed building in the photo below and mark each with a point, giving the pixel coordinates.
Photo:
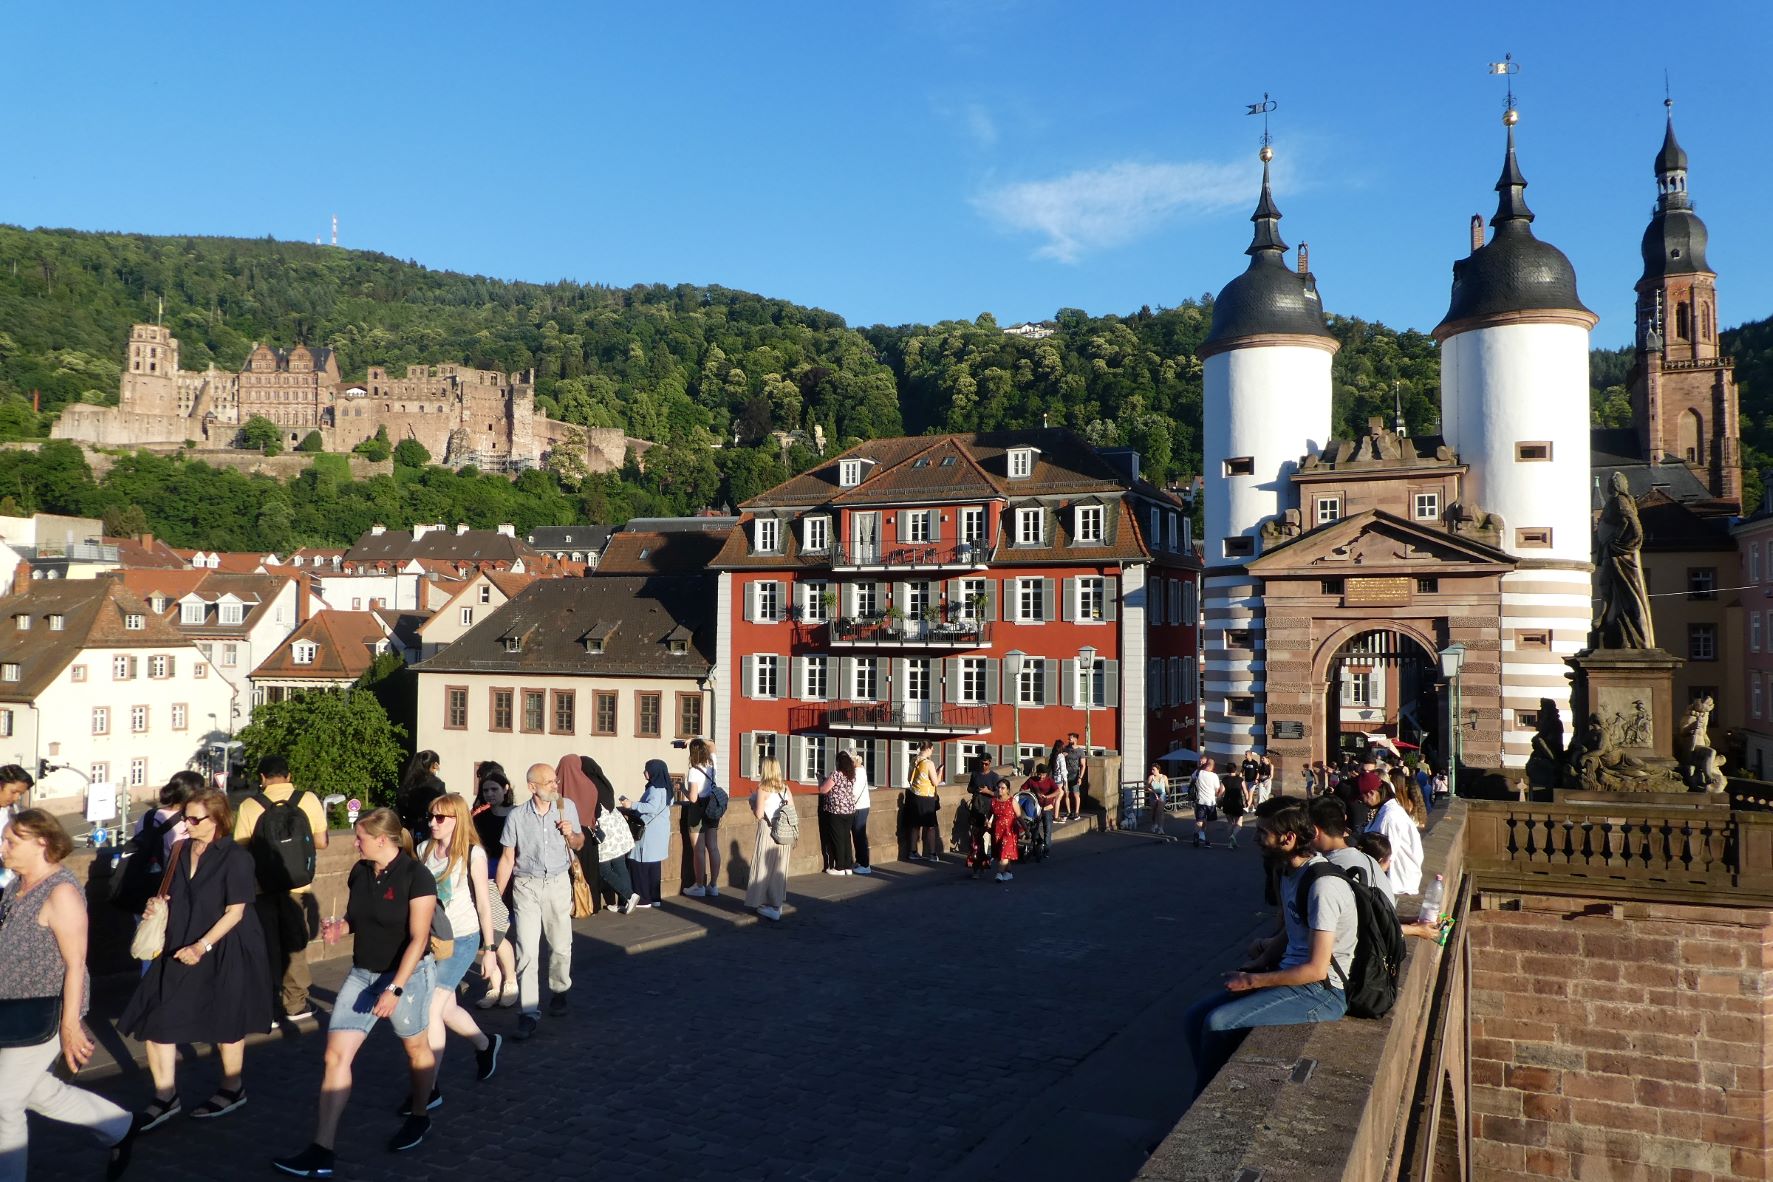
(329, 651)
(990, 592)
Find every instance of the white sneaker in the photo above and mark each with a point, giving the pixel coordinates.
(834, 872)
(713, 891)
(864, 870)
(628, 903)
(769, 913)
(694, 892)
(1008, 877)
(847, 873)
(1001, 876)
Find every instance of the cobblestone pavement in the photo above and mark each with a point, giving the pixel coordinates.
(912, 1025)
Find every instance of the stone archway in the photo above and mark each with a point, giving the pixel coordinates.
(1394, 683)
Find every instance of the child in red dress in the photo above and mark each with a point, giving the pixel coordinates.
(1003, 830)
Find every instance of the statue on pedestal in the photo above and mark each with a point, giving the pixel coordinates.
(1623, 617)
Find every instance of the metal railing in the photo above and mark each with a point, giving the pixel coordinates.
(928, 716)
(909, 554)
(949, 629)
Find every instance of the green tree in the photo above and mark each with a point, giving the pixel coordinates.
(311, 442)
(335, 741)
(260, 432)
(125, 521)
(410, 453)
(377, 448)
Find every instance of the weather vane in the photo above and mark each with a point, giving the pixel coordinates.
(1263, 108)
(1508, 68)
(1667, 94)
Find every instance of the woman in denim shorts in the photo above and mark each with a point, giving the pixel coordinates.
(392, 900)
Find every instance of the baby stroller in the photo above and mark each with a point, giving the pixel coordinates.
(1031, 836)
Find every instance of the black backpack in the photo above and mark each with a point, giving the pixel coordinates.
(139, 865)
(714, 801)
(1371, 986)
(282, 844)
(636, 822)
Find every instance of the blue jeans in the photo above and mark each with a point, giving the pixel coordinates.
(859, 835)
(1214, 1025)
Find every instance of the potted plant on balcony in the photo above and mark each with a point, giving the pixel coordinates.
(895, 618)
(828, 599)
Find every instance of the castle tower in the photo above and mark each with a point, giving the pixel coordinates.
(150, 372)
(1514, 405)
(1683, 393)
(1267, 404)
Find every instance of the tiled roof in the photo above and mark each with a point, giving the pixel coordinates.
(439, 545)
(146, 554)
(662, 552)
(568, 537)
(403, 625)
(345, 644)
(255, 592)
(1122, 541)
(93, 615)
(553, 617)
(1671, 525)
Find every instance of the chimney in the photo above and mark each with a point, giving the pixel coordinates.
(507, 530)
(377, 530)
(21, 578)
(1305, 258)
(461, 528)
(147, 541)
(1477, 232)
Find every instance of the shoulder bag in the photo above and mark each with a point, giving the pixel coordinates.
(150, 935)
(583, 902)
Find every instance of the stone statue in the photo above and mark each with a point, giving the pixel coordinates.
(1545, 765)
(1623, 620)
(1701, 766)
(1599, 765)
(1696, 725)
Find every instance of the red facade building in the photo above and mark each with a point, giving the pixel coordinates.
(988, 592)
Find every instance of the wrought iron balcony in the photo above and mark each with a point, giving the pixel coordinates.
(924, 718)
(946, 631)
(909, 555)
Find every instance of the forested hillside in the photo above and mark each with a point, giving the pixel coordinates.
(707, 373)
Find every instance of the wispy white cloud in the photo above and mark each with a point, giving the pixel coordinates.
(1098, 208)
(980, 125)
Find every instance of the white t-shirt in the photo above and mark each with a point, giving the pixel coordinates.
(860, 783)
(453, 893)
(1352, 859)
(1406, 846)
(695, 782)
(1331, 910)
(1206, 787)
(772, 803)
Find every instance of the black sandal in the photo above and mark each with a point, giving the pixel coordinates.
(220, 1104)
(157, 1113)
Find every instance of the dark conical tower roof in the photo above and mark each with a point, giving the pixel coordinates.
(1514, 271)
(1269, 298)
(1673, 157)
(1674, 241)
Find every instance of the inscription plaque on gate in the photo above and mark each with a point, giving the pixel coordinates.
(1286, 730)
(1393, 592)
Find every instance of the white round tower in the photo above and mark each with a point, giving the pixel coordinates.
(1514, 405)
(1266, 405)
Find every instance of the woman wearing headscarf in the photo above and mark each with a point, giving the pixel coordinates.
(577, 786)
(647, 861)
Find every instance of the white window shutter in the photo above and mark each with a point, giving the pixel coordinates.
(1046, 599)
(1049, 681)
(993, 679)
(797, 666)
(1110, 598)
(748, 676)
(1067, 683)
(1069, 609)
(748, 755)
(796, 759)
(1111, 683)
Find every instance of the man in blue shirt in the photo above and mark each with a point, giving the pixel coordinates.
(542, 837)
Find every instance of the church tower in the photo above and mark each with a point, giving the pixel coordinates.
(1683, 393)
(1514, 405)
(1267, 404)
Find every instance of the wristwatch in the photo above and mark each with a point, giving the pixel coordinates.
(208, 947)
(396, 990)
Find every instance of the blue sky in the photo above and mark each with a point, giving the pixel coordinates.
(898, 162)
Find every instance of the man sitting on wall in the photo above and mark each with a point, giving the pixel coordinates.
(1295, 977)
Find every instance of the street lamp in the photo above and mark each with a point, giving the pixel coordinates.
(1012, 672)
(1452, 658)
(1086, 663)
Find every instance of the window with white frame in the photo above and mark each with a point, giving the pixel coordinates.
(812, 602)
(1092, 682)
(1362, 688)
(99, 772)
(486, 593)
(77, 673)
(191, 611)
(101, 720)
(56, 621)
(969, 753)
(1092, 596)
(135, 621)
(1702, 642)
(973, 596)
(1172, 530)
(918, 597)
(9, 671)
(849, 473)
(1155, 519)
(160, 667)
(1030, 527)
(467, 616)
(138, 772)
(5, 724)
(1089, 523)
(1029, 607)
(301, 652)
(818, 678)
(1329, 509)
(122, 668)
(1031, 682)
(817, 531)
(1428, 506)
(180, 715)
(1754, 562)
(233, 613)
(1021, 462)
(972, 680)
(230, 655)
(972, 525)
(865, 680)
(769, 601)
(917, 526)
(814, 758)
(138, 720)
(766, 676)
(867, 600)
(768, 535)
(1189, 608)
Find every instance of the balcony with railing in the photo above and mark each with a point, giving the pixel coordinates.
(908, 555)
(921, 718)
(951, 629)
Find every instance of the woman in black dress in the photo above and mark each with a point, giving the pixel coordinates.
(212, 981)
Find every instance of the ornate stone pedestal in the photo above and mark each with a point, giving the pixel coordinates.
(1632, 690)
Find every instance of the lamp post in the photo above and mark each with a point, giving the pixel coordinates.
(1086, 663)
(1012, 671)
(1452, 658)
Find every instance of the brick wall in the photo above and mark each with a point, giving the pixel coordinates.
(1619, 1040)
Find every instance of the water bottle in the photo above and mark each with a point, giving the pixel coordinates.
(1431, 901)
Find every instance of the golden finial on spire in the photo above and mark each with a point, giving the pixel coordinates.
(1262, 108)
(1508, 68)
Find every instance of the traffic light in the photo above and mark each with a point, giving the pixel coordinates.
(43, 769)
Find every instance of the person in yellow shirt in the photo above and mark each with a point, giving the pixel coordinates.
(286, 916)
(925, 807)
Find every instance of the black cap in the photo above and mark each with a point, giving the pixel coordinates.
(1269, 297)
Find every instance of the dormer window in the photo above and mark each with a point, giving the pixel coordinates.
(767, 534)
(816, 535)
(678, 647)
(1021, 462)
(9, 671)
(157, 604)
(22, 621)
(56, 622)
(191, 612)
(1089, 524)
(302, 652)
(135, 622)
(593, 644)
(233, 613)
(514, 644)
(1030, 527)
(849, 473)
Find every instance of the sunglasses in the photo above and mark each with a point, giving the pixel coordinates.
(192, 819)
(443, 817)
